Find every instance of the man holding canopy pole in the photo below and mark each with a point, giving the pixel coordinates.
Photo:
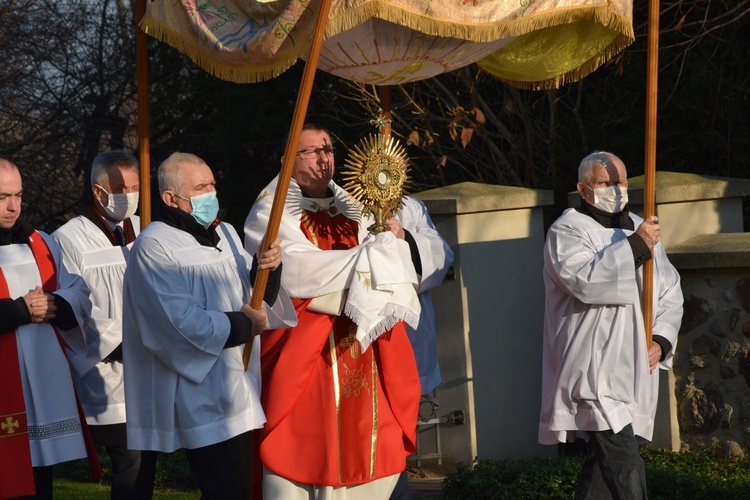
(185, 318)
(598, 378)
(340, 390)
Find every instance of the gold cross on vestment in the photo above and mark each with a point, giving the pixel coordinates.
(10, 425)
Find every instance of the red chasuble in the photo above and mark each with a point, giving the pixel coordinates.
(336, 416)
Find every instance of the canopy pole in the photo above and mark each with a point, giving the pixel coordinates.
(144, 146)
(287, 163)
(384, 94)
(649, 178)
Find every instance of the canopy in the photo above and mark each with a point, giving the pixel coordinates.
(528, 43)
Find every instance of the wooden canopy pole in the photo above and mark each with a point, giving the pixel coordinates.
(287, 164)
(384, 93)
(649, 177)
(144, 146)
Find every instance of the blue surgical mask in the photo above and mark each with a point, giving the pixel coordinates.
(205, 208)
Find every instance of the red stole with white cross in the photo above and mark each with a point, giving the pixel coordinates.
(16, 473)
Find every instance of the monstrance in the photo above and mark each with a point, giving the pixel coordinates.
(375, 175)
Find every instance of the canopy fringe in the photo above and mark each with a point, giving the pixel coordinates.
(603, 14)
(236, 73)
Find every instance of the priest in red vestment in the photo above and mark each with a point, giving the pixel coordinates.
(341, 389)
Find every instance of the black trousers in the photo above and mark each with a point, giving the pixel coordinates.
(613, 467)
(133, 473)
(224, 470)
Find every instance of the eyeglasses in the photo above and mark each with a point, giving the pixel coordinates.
(312, 151)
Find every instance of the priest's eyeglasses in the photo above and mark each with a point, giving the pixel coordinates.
(312, 151)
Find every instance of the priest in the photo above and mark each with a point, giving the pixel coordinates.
(341, 389)
(44, 309)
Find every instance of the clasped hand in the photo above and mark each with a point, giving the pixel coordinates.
(41, 305)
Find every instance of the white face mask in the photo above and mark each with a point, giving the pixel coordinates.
(120, 206)
(610, 199)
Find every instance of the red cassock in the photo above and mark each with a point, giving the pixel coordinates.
(336, 415)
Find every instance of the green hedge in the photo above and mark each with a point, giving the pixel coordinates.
(669, 475)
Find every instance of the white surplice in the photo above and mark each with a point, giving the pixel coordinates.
(436, 257)
(182, 388)
(595, 373)
(102, 265)
(51, 410)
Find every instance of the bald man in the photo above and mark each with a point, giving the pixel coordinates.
(44, 309)
(185, 320)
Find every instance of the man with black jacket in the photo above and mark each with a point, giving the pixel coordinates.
(186, 317)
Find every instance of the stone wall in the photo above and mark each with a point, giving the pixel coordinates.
(711, 368)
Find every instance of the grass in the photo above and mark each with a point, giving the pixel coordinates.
(68, 489)
(173, 479)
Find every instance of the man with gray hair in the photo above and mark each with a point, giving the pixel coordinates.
(598, 378)
(98, 243)
(186, 318)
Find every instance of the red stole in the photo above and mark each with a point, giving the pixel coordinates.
(16, 474)
(335, 415)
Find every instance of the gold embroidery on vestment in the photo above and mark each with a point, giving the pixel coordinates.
(337, 395)
(308, 222)
(374, 438)
(350, 342)
(364, 277)
(354, 381)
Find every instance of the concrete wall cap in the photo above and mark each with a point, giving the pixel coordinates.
(472, 197)
(712, 251)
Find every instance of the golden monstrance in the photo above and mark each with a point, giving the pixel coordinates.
(375, 176)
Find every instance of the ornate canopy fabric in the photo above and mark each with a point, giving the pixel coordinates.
(529, 43)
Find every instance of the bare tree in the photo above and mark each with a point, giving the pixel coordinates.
(67, 90)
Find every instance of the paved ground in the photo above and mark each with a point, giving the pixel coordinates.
(426, 488)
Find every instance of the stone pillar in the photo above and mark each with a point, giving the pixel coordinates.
(489, 320)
